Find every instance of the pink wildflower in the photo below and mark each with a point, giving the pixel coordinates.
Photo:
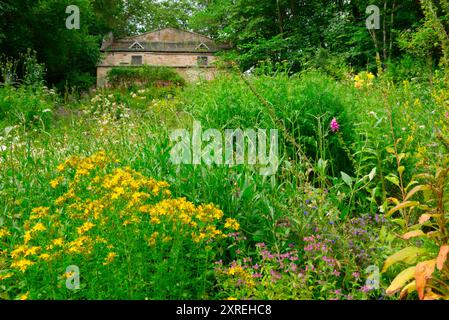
(335, 127)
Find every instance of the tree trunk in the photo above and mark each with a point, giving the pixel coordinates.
(391, 30)
(376, 46)
(280, 20)
(385, 32)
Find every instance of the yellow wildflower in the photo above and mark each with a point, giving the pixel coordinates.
(232, 224)
(85, 227)
(60, 200)
(152, 239)
(58, 242)
(155, 220)
(31, 251)
(5, 276)
(119, 191)
(38, 227)
(4, 232)
(101, 240)
(44, 256)
(54, 183)
(39, 212)
(198, 238)
(80, 245)
(110, 258)
(213, 231)
(20, 250)
(27, 237)
(24, 296)
(22, 264)
(82, 172)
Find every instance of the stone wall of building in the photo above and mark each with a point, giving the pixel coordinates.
(185, 63)
(168, 59)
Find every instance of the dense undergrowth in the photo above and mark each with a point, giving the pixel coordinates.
(89, 182)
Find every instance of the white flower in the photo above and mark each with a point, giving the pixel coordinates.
(2, 148)
(8, 130)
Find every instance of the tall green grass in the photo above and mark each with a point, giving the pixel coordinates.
(304, 104)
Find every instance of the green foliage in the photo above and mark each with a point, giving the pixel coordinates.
(27, 103)
(324, 61)
(421, 211)
(71, 56)
(341, 206)
(297, 31)
(27, 107)
(307, 104)
(145, 75)
(409, 67)
(143, 255)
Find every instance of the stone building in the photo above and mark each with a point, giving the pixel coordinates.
(191, 54)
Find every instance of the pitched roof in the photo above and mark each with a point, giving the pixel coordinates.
(165, 40)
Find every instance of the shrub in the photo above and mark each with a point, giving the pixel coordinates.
(27, 106)
(25, 101)
(145, 75)
(125, 232)
(305, 105)
(421, 212)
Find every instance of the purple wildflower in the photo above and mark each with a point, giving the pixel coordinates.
(338, 291)
(336, 273)
(366, 289)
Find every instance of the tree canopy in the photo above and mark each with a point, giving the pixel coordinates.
(303, 33)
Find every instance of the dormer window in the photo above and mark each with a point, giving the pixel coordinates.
(202, 47)
(137, 46)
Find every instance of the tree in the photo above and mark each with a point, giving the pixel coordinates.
(297, 30)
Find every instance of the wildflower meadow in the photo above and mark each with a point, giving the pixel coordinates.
(305, 178)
